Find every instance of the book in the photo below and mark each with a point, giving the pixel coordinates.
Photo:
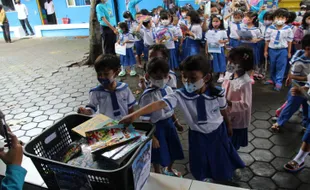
(105, 137)
(245, 35)
(92, 124)
(270, 4)
(164, 35)
(184, 29)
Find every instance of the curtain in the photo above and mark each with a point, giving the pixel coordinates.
(80, 2)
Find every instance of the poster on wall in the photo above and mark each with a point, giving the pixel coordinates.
(141, 166)
(270, 4)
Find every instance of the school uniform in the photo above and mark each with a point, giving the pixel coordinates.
(233, 36)
(261, 44)
(179, 34)
(172, 80)
(219, 59)
(113, 104)
(128, 59)
(149, 37)
(173, 61)
(211, 153)
(256, 34)
(191, 45)
(170, 146)
(138, 41)
(278, 51)
(300, 67)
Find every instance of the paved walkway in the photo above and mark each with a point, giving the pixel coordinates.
(37, 89)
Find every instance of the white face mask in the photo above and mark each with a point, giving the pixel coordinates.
(302, 12)
(192, 87)
(183, 15)
(237, 20)
(159, 83)
(165, 22)
(279, 22)
(267, 22)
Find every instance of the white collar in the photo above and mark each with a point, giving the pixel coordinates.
(237, 83)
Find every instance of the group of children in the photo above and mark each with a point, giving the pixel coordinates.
(218, 117)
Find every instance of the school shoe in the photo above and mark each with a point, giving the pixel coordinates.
(122, 73)
(269, 82)
(277, 88)
(221, 79)
(133, 73)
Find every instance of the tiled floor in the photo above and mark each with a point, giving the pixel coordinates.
(38, 89)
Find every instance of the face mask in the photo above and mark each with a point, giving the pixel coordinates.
(192, 87)
(279, 22)
(215, 13)
(183, 15)
(237, 20)
(106, 82)
(120, 31)
(216, 24)
(267, 22)
(159, 83)
(127, 19)
(165, 22)
(245, 21)
(302, 12)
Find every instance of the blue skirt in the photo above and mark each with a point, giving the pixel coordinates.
(255, 49)
(146, 53)
(213, 155)
(173, 60)
(261, 49)
(139, 47)
(240, 138)
(190, 47)
(170, 146)
(219, 62)
(128, 59)
(177, 47)
(234, 43)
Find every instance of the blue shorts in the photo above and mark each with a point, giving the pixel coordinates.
(139, 47)
(306, 137)
(170, 146)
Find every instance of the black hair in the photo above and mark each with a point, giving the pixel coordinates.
(291, 18)
(124, 27)
(189, 6)
(107, 61)
(200, 63)
(304, 24)
(220, 17)
(254, 16)
(302, 3)
(238, 12)
(217, 6)
(164, 15)
(139, 13)
(184, 9)
(127, 15)
(161, 48)
(281, 12)
(242, 56)
(200, 11)
(146, 23)
(268, 16)
(145, 12)
(153, 12)
(156, 65)
(305, 42)
(173, 11)
(222, 4)
(195, 18)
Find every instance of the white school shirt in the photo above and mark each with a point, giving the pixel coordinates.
(148, 35)
(216, 34)
(172, 33)
(196, 29)
(285, 35)
(263, 29)
(22, 11)
(125, 37)
(300, 64)
(178, 31)
(100, 100)
(183, 21)
(151, 95)
(256, 33)
(172, 80)
(49, 7)
(234, 28)
(188, 103)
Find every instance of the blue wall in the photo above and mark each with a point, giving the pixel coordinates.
(33, 17)
(76, 14)
(66, 32)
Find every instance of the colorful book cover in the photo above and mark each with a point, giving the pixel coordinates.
(109, 136)
(184, 29)
(270, 4)
(164, 35)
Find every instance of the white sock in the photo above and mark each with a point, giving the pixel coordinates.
(301, 156)
(132, 68)
(123, 68)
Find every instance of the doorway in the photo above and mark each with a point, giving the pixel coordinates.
(46, 19)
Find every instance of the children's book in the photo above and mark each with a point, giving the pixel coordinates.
(245, 35)
(270, 4)
(105, 137)
(93, 123)
(184, 29)
(164, 35)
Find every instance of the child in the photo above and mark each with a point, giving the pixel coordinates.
(250, 22)
(211, 154)
(148, 33)
(166, 144)
(179, 35)
(301, 13)
(298, 163)
(184, 12)
(302, 30)
(300, 69)
(129, 59)
(234, 39)
(278, 46)
(165, 34)
(191, 43)
(216, 37)
(239, 93)
(111, 98)
(130, 21)
(139, 44)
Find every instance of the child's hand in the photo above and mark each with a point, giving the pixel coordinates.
(178, 125)
(84, 111)
(155, 143)
(266, 54)
(288, 81)
(295, 91)
(229, 103)
(222, 41)
(289, 55)
(128, 119)
(15, 154)
(229, 131)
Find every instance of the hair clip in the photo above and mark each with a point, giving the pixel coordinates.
(219, 16)
(245, 56)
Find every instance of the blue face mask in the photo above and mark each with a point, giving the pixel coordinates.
(105, 82)
(192, 87)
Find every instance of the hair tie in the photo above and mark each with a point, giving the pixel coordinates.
(245, 56)
(219, 16)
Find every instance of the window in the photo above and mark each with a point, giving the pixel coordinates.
(8, 5)
(76, 3)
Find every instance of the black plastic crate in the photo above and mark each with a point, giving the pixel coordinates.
(54, 139)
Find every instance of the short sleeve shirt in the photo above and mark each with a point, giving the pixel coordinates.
(104, 10)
